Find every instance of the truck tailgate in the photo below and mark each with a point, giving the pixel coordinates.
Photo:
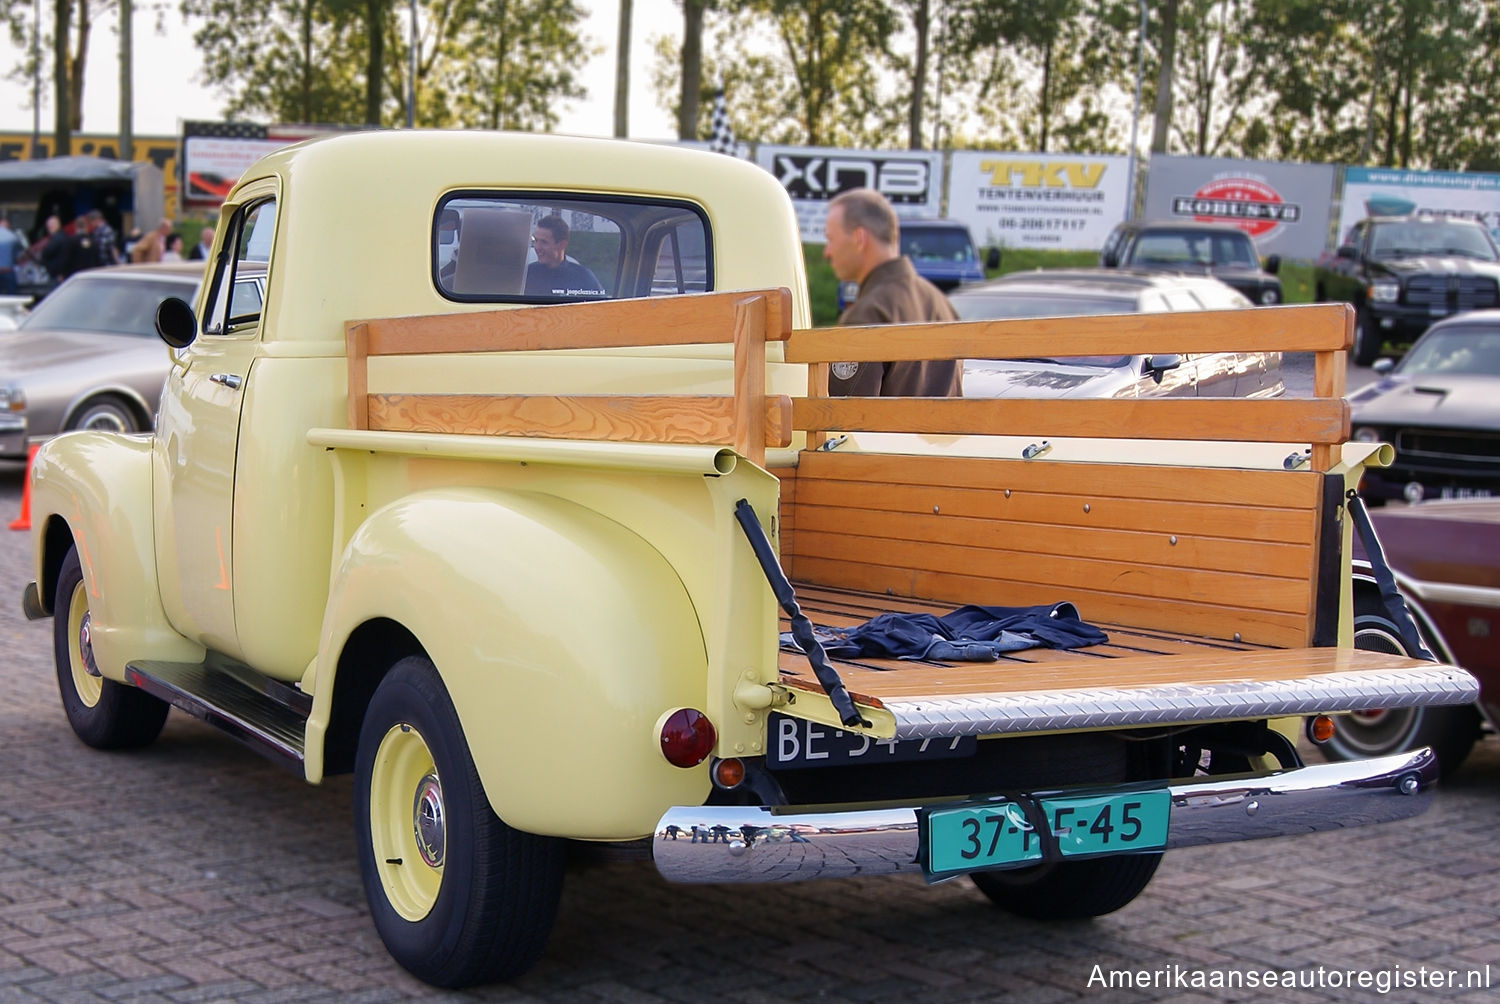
(1137, 678)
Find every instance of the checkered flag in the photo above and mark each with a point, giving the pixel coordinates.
(720, 133)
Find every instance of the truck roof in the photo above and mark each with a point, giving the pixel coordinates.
(356, 212)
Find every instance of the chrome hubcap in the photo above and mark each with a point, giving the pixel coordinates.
(428, 823)
(86, 647)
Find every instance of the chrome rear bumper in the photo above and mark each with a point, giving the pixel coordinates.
(775, 844)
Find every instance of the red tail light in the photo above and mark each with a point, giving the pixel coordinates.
(687, 737)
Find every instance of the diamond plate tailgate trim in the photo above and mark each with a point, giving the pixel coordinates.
(1113, 707)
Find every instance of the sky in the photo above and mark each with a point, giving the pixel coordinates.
(168, 88)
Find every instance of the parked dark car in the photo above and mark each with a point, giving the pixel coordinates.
(941, 251)
(1402, 273)
(1446, 559)
(1225, 252)
(1440, 408)
(1055, 292)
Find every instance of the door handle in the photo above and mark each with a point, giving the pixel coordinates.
(230, 380)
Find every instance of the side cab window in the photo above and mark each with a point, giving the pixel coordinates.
(239, 270)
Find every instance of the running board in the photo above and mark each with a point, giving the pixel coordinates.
(264, 714)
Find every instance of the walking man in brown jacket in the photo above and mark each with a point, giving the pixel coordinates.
(863, 245)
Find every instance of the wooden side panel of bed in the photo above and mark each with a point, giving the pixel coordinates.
(1228, 554)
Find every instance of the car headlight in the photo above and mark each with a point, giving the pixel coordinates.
(1385, 292)
(1367, 434)
(12, 399)
(1270, 296)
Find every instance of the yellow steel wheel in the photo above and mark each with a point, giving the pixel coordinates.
(87, 685)
(408, 823)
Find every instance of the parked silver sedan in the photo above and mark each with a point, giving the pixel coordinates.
(87, 356)
(1061, 292)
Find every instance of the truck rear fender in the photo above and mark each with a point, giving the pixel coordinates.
(562, 637)
(92, 490)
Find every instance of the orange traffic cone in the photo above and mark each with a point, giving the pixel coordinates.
(23, 521)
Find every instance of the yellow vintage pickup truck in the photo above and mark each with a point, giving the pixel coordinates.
(519, 494)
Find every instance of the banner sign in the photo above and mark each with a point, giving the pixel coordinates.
(1284, 207)
(1038, 200)
(1385, 191)
(811, 175)
(216, 154)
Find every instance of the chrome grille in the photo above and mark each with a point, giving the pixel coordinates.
(1457, 292)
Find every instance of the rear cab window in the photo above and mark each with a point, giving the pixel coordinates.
(529, 247)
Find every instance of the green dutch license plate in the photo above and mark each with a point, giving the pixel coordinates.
(972, 837)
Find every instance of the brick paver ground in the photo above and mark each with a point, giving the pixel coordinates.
(196, 871)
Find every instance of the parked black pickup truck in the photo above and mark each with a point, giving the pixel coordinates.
(1404, 272)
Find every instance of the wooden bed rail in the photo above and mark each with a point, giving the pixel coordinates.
(1321, 421)
(750, 420)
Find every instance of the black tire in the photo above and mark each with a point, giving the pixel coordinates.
(1367, 339)
(109, 414)
(1070, 890)
(1074, 890)
(458, 897)
(104, 714)
(1451, 731)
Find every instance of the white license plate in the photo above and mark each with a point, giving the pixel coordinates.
(796, 744)
(1452, 492)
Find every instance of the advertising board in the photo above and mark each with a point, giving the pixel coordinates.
(1384, 191)
(1284, 207)
(216, 154)
(1038, 200)
(911, 180)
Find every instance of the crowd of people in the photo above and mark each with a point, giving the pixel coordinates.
(59, 250)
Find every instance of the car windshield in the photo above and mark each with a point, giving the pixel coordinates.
(998, 304)
(936, 244)
(107, 304)
(1414, 237)
(1193, 247)
(1459, 349)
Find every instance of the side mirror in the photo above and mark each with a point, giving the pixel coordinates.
(1383, 366)
(1157, 365)
(1347, 251)
(176, 323)
(1109, 259)
(992, 259)
(1273, 263)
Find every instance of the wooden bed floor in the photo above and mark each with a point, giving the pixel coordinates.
(1132, 657)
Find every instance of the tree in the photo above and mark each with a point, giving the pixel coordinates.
(1043, 66)
(510, 62)
(1212, 59)
(691, 79)
(1166, 50)
(622, 72)
(376, 19)
(127, 81)
(62, 139)
(288, 60)
(827, 52)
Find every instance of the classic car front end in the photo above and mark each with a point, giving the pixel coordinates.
(1440, 408)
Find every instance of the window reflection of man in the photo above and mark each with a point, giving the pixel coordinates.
(554, 273)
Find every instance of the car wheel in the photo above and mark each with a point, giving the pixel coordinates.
(103, 713)
(458, 897)
(1367, 338)
(1450, 731)
(107, 414)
